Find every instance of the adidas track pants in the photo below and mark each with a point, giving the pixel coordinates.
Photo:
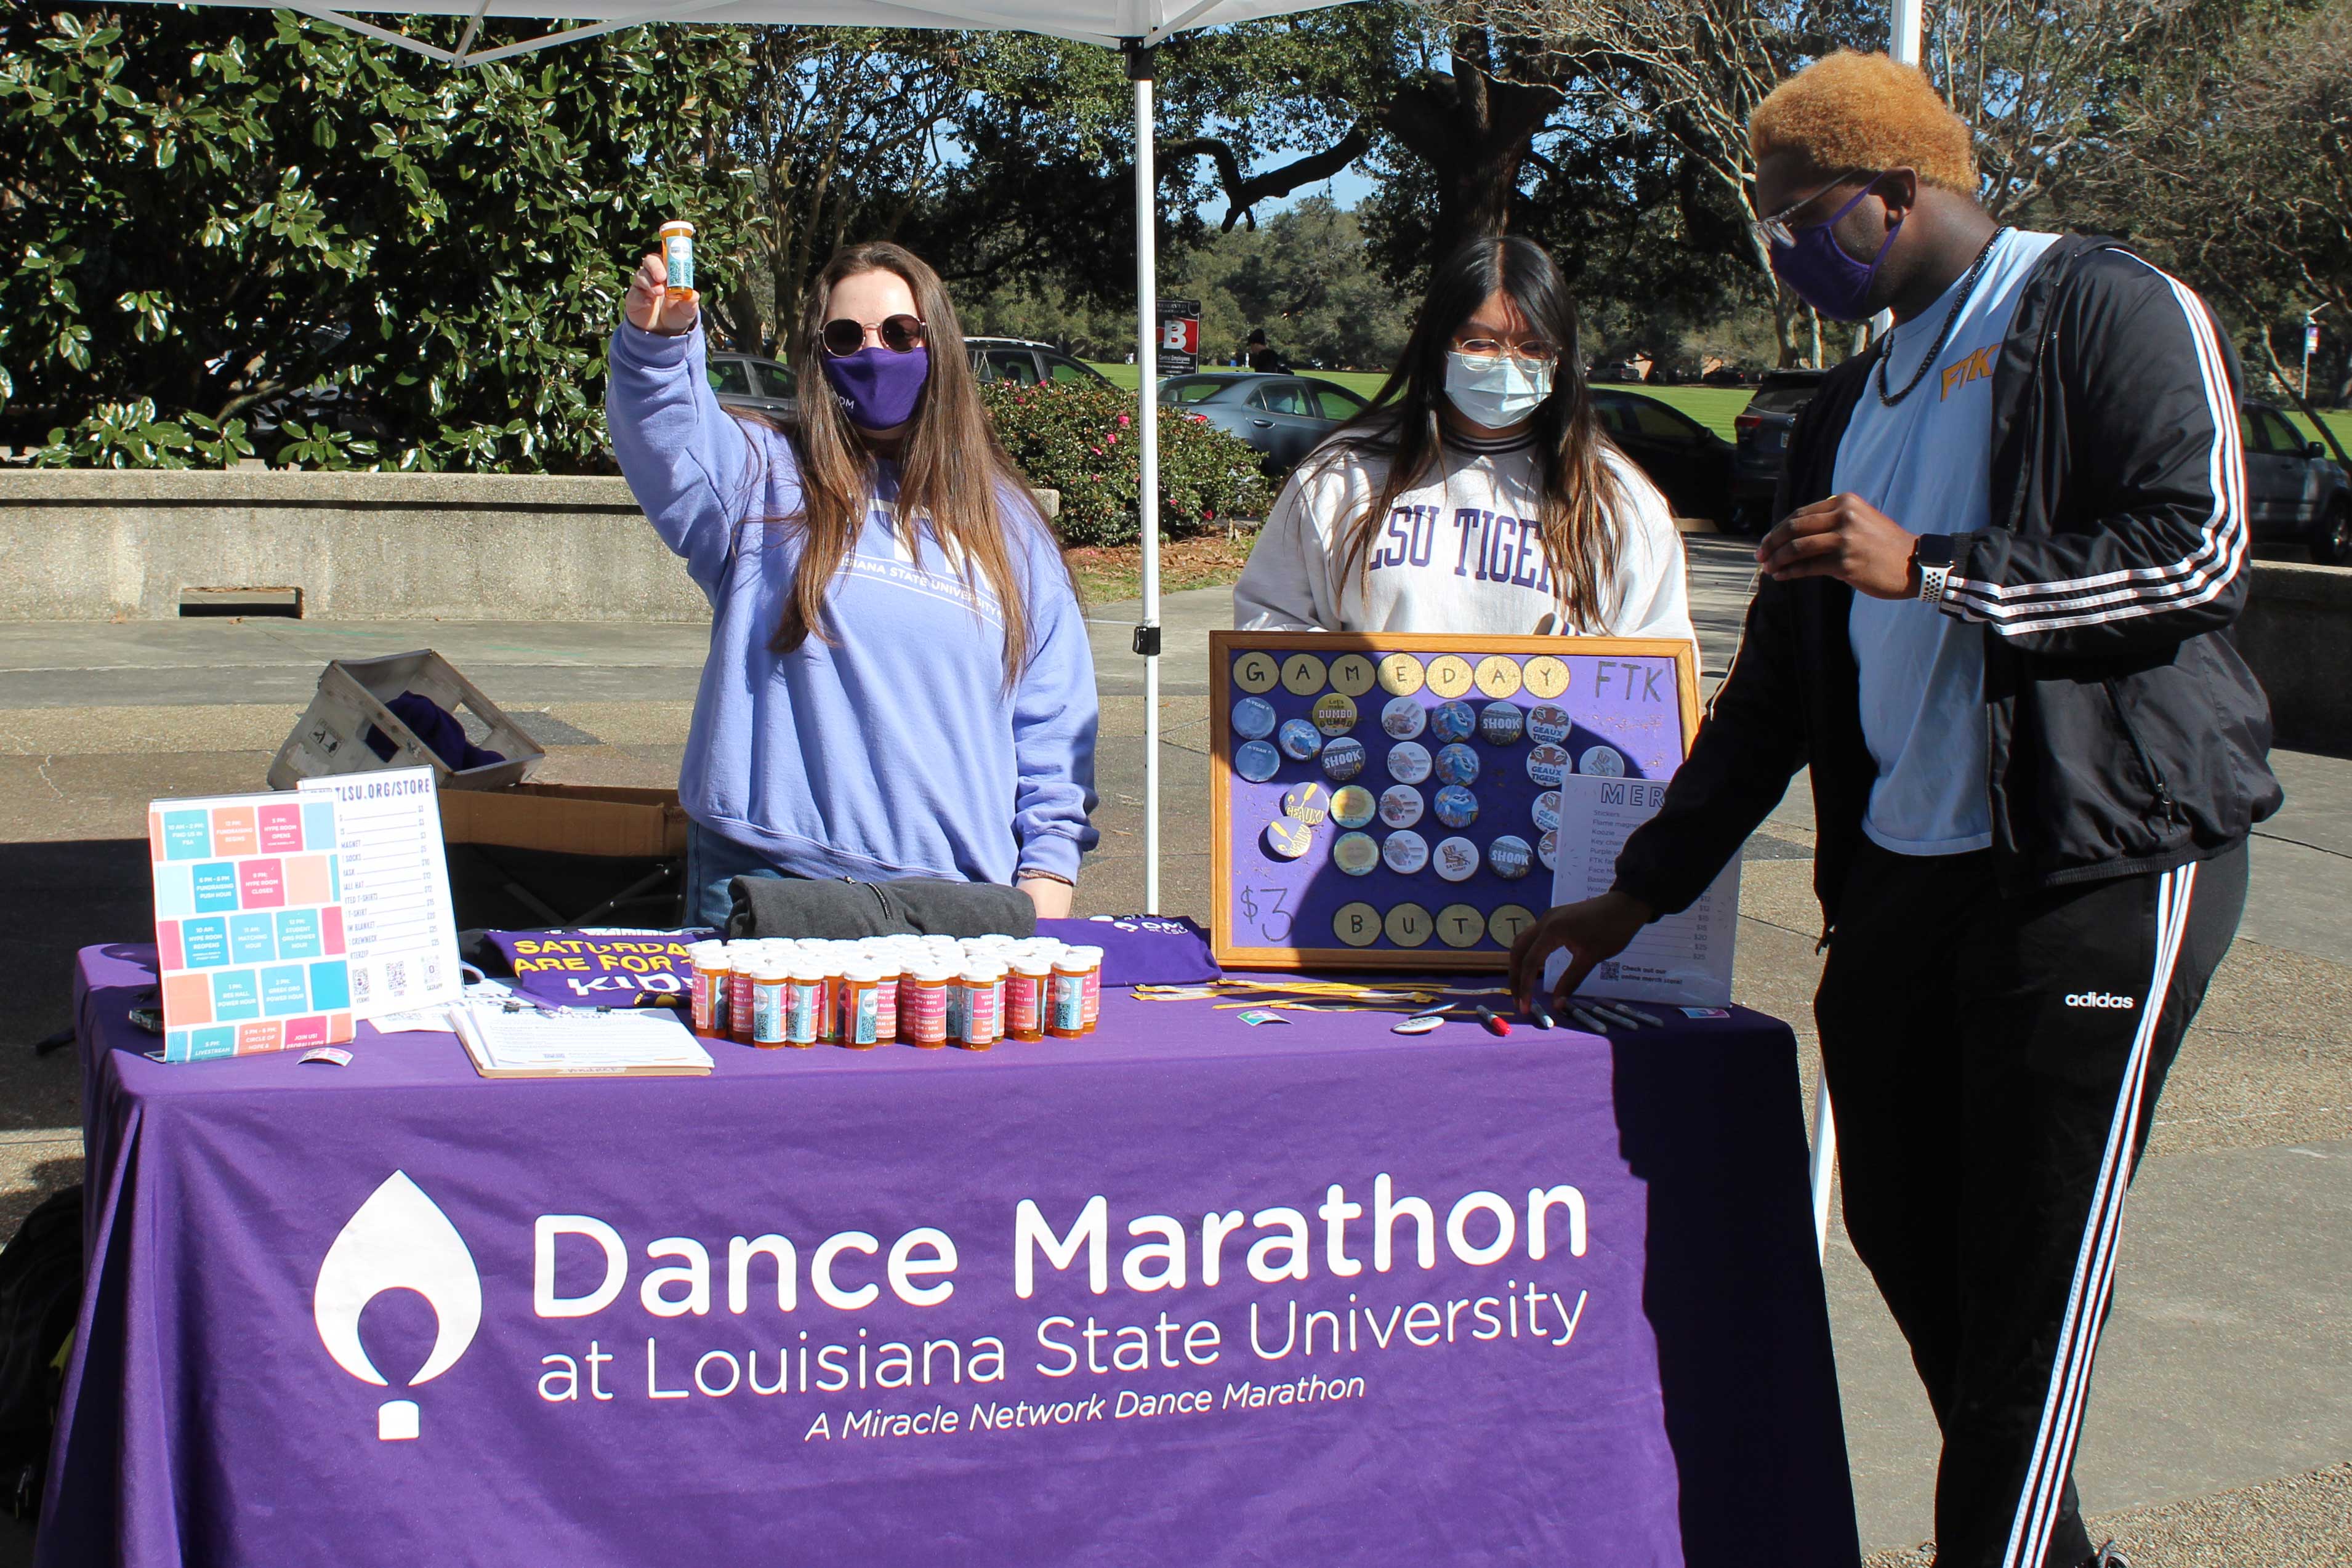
(1995, 1064)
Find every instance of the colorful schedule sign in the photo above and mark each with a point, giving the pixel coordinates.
(249, 925)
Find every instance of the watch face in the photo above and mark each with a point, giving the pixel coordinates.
(1933, 549)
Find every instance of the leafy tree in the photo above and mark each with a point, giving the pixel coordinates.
(209, 211)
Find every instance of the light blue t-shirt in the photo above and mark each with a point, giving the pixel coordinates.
(1928, 464)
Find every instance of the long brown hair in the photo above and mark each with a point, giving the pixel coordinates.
(1579, 491)
(952, 470)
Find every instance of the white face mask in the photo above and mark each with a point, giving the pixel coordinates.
(1495, 393)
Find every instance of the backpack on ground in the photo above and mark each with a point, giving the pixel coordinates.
(40, 1293)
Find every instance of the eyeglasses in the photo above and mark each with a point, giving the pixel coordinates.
(1777, 230)
(1533, 351)
(843, 337)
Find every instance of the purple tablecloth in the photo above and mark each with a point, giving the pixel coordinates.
(268, 1237)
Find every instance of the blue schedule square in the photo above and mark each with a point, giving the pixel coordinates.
(216, 884)
(187, 835)
(297, 933)
(318, 827)
(282, 991)
(236, 995)
(175, 892)
(204, 1044)
(204, 944)
(252, 938)
(331, 987)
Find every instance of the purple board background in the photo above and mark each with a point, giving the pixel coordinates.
(1271, 902)
(1691, 1417)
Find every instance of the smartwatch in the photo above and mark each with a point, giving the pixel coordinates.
(1932, 554)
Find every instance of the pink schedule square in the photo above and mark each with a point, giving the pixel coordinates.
(261, 884)
(282, 829)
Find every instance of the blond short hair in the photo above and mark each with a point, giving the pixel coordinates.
(1850, 110)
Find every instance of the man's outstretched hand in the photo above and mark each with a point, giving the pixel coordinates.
(1593, 931)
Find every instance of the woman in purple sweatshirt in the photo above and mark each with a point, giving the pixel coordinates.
(898, 683)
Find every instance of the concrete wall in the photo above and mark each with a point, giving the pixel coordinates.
(85, 545)
(2296, 633)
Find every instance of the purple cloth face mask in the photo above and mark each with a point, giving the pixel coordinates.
(1820, 272)
(880, 387)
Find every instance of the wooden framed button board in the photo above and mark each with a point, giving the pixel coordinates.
(1381, 800)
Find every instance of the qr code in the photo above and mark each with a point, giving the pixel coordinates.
(1607, 971)
(361, 985)
(396, 977)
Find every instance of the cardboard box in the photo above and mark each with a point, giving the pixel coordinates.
(568, 819)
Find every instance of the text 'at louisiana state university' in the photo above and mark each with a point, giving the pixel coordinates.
(1359, 1260)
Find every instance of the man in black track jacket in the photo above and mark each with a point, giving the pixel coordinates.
(1992, 624)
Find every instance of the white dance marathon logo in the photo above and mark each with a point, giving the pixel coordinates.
(398, 1241)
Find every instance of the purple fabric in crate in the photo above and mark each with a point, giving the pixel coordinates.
(1141, 949)
(437, 728)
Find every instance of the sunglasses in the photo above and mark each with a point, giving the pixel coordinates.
(899, 334)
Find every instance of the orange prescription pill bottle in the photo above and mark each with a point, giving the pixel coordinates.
(677, 255)
(977, 992)
(740, 956)
(804, 1002)
(923, 1004)
(889, 973)
(1091, 959)
(1066, 1003)
(770, 996)
(1025, 998)
(859, 1026)
(709, 993)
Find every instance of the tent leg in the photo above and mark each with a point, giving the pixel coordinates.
(1147, 365)
(1825, 1171)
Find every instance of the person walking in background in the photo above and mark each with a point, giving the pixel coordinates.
(1993, 622)
(1477, 493)
(900, 682)
(1261, 355)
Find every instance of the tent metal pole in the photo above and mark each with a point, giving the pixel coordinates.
(1147, 500)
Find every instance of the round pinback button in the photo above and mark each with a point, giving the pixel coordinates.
(1402, 718)
(1449, 676)
(1309, 803)
(1546, 810)
(1409, 762)
(1353, 805)
(1408, 925)
(1497, 675)
(1401, 806)
(1257, 761)
(1547, 765)
(1454, 721)
(1343, 759)
(1406, 853)
(1457, 763)
(1456, 859)
(1510, 857)
(1545, 677)
(1256, 672)
(1548, 852)
(1356, 853)
(1506, 922)
(1302, 675)
(1335, 713)
(1548, 724)
(1456, 807)
(1605, 761)
(1401, 674)
(1254, 718)
(1299, 739)
(1352, 674)
(1421, 1025)
(1356, 924)
(1289, 838)
(1501, 723)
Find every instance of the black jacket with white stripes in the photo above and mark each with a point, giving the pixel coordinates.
(2126, 733)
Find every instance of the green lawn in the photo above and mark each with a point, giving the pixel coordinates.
(2339, 420)
(1711, 406)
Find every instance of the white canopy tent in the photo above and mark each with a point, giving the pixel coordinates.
(1135, 27)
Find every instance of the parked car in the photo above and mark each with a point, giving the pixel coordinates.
(1683, 457)
(750, 384)
(2295, 493)
(1284, 417)
(1026, 363)
(1761, 448)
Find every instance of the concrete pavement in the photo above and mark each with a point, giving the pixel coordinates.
(2222, 1425)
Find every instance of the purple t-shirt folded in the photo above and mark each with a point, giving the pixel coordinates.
(437, 728)
(1140, 949)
